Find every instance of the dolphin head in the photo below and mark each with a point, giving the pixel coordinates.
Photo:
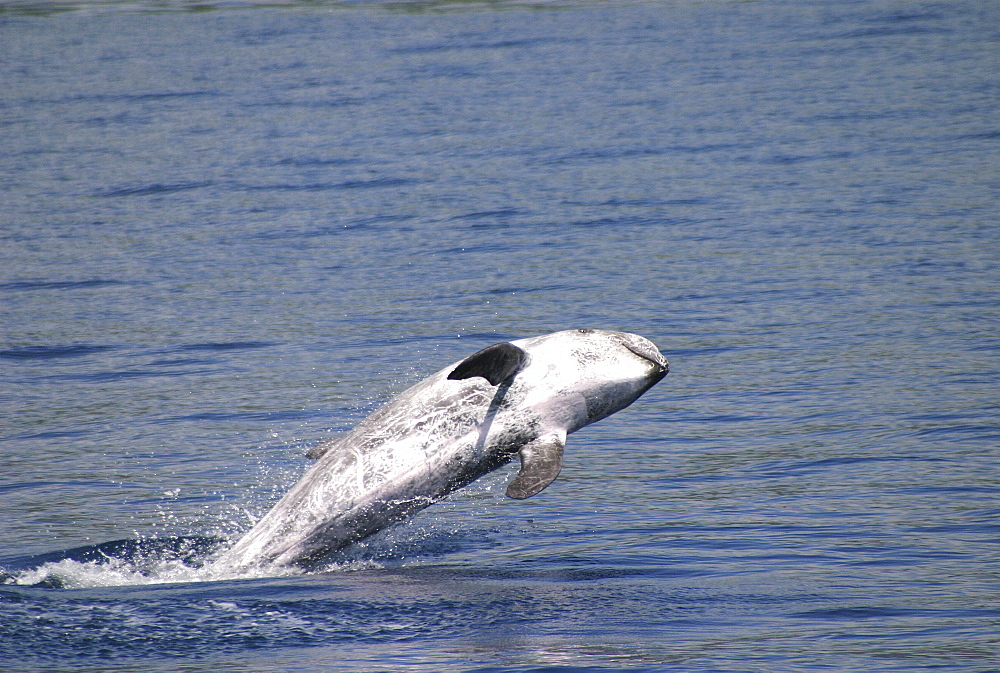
(607, 369)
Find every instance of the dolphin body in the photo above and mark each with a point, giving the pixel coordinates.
(520, 397)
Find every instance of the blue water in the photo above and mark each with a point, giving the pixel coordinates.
(230, 230)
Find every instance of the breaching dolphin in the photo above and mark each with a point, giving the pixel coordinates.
(519, 397)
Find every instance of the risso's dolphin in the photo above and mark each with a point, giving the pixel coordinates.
(520, 397)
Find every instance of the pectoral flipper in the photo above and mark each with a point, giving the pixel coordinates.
(541, 461)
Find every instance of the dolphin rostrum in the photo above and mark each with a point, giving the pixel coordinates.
(520, 397)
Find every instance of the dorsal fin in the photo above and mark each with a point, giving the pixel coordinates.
(541, 461)
(496, 363)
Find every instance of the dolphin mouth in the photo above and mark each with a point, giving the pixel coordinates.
(647, 351)
(662, 366)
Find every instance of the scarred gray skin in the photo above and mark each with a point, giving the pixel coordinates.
(442, 434)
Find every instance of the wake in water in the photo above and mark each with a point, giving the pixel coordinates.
(122, 562)
(145, 561)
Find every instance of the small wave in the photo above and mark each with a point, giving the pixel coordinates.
(52, 352)
(226, 345)
(151, 189)
(60, 284)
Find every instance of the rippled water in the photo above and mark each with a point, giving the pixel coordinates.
(230, 230)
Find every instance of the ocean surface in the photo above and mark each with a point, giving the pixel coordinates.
(229, 230)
